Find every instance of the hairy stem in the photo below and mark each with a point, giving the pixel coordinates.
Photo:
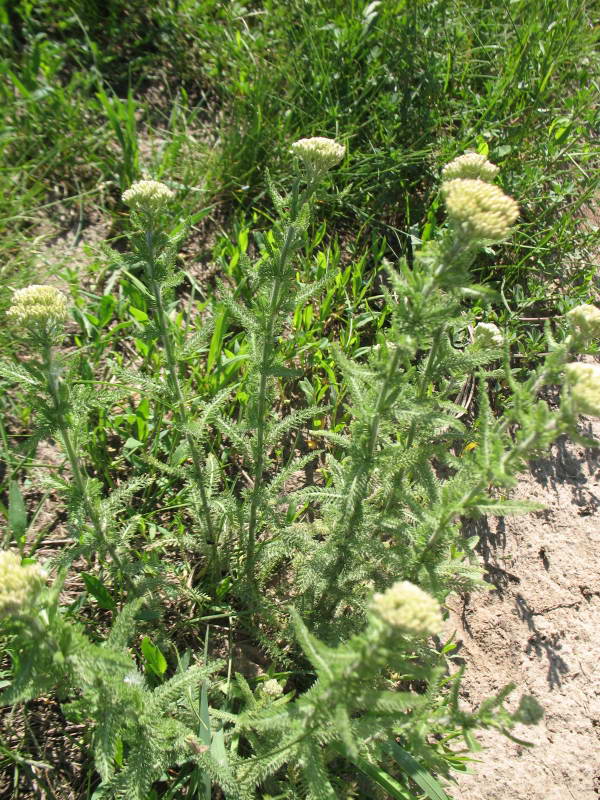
(344, 534)
(265, 361)
(79, 478)
(178, 393)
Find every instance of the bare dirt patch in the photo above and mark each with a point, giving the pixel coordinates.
(540, 629)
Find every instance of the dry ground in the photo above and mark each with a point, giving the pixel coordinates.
(540, 629)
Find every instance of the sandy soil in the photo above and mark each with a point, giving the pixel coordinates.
(540, 629)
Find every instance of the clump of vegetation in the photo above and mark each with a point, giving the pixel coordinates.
(333, 561)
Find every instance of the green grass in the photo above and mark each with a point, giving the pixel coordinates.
(222, 90)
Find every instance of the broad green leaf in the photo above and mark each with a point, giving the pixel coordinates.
(216, 342)
(155, 661)
(137, 314)
(17, 513)
(99, 591)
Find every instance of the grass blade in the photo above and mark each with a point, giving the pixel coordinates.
(420, 776)
(378, 775)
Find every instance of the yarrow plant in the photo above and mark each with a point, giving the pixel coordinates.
(486, 335)
(471, 166)
(319, 154)
(19, 584)
(148, 196)
(340, 581)
(585, 382)
(585, 321)
(38, 311)
(479, 210)
(408, 609)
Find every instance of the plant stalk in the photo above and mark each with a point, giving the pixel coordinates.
(176, 387)
(78, 475)
(274, 302)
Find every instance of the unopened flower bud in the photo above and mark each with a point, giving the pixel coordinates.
(272, 688)
(18, 584)
(148, 196)
(488, 336)
(470, 165)
(585, 387)
(585, 320)
(408, 609)
(479, 210)
(38, 307)
(319, 153)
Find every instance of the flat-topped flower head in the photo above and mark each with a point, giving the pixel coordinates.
(148, 196)
(479, 210)
(40, 307)
(18, 584)
(585, 320)
(319, 154)
(488, 336)
(272, 688)
(408, 609)
(585, 387)
(470, 165)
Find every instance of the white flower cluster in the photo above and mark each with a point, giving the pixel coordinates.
(585, 320)
(585, 386)
(148, 196)
(272, 688)
(18, 584)
(319, 153)
(478, 209)
(470, 165)
(488, 336)
(38, 305)
(408, 609)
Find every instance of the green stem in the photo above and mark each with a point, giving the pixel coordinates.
(78, 476)
(267, 349)
(177, 391)
(383, 401)
(344, 535)
(429, 365)
(380, 406)
(298, 201)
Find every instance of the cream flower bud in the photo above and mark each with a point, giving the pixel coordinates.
(585, 319)
(272, 688)
(38, 305)
(319, 153)
(148, 196)
(488, 336)
(585, 385)
(470, 165)
(18, 584)
(478, 209)
(408, 609)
